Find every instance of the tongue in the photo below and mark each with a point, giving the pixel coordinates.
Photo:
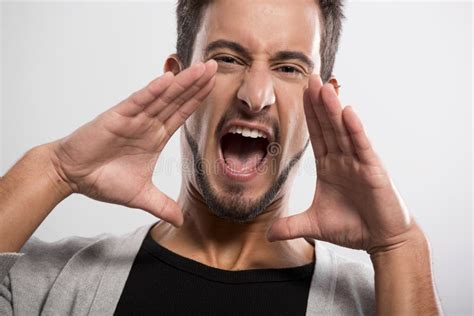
(242, 153)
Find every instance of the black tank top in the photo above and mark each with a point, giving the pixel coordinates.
(162, 282)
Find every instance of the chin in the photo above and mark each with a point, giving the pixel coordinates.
(235, 202)
(241, 197)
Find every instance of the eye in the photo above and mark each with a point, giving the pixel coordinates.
(226, 59)
(290, 69)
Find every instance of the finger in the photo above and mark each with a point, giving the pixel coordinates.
(314, 129)
(182, 114)
(315, 86)
(211, 68)
(295, 226)
(140, 99)
(157, 203)
(334, 113)
(183, 81)
(360, 141)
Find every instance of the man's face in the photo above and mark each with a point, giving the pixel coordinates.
(248, 134)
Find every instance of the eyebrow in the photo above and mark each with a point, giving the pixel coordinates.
(245, 53)
(234, 46)
(288, 55)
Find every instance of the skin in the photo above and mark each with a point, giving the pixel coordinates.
(109, 159)
(355, 203)
(255, 88)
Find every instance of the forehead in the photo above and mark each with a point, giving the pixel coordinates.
(263, 26)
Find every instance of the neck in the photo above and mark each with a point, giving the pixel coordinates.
(227, 245)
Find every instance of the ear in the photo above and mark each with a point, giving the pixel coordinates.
(335, 83)
(173, 64)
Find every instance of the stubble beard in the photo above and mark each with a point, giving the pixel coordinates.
(234, 207)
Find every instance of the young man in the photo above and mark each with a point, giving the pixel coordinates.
(247, 86)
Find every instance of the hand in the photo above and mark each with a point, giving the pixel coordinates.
(356, 204)
(112, 158)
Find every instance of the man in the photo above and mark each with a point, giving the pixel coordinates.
(247, 86)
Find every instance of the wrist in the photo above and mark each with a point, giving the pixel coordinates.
(413, 255)
(404, 281)
(413, 237)
(46, 156)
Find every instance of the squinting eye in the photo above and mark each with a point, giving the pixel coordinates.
(289, 69)
(226, 59)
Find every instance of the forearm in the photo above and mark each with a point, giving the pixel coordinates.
(28, 193)
(404, 283)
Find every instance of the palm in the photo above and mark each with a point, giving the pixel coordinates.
(122, 171)
(355, 204)
(112, 158)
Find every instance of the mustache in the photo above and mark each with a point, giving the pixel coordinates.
(262, 118)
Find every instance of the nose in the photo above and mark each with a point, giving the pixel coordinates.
(256, 91)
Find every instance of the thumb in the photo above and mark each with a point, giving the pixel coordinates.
(295, 226)
(155, 202)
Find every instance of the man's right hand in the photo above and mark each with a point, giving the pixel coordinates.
(112, 158)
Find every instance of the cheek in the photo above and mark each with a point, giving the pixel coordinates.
(219, 101)
(297, 132)
(228, 81)
(301, 129)
(193, 124)
(206, 117)
(292, 118)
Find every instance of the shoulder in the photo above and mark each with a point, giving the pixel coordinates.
(47, 273)
(42, 256)
(41, 262)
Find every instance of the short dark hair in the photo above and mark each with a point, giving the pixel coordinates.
(189, 15)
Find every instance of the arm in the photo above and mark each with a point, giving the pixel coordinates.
(28, 193)
(404, 283)
(357, 205)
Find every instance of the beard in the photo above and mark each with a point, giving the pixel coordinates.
(235, 208)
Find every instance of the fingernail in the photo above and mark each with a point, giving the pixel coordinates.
(177, 224)
(211, 63)
(270, 237)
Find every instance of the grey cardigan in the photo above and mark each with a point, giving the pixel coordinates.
(86, 276)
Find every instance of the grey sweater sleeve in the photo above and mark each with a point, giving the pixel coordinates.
(27, 276)
(7, 260)
(354, 287)
(72, 276)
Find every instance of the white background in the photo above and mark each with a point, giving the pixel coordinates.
(406, 67)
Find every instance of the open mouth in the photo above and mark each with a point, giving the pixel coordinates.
(244, 149)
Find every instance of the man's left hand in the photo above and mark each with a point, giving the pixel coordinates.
(355, 204)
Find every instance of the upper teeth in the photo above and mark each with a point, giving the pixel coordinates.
(247, 132)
